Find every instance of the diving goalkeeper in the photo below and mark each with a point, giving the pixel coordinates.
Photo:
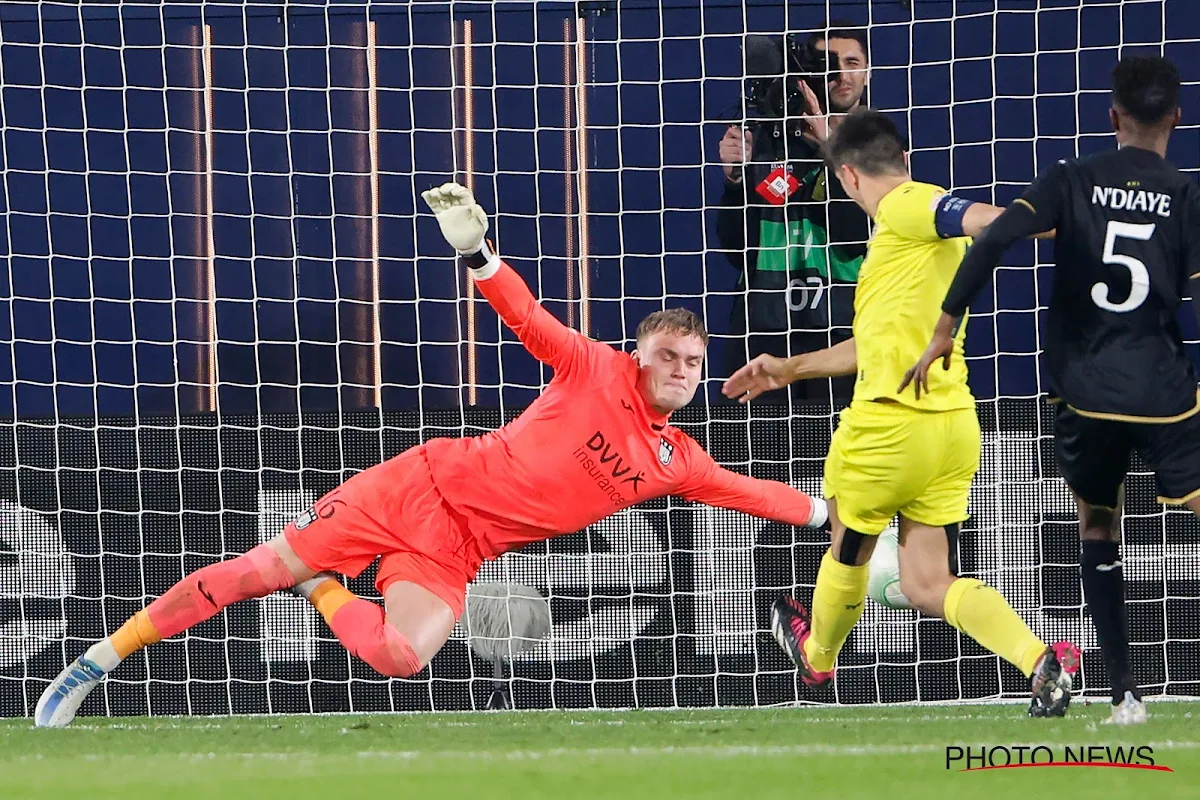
(893, 453)
(598, 440)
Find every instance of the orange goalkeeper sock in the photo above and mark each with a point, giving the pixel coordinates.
(329, 596)
(199, 596)
(982, 613)
(362, 627)
(136, 633)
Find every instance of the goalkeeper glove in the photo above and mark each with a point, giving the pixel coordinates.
(462, 220)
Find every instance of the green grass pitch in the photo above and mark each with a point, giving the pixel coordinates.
(836, 753)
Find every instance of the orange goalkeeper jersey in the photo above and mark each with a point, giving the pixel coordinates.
(587, 447)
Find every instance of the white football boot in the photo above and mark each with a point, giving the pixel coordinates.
(1129, 711)
(60, 702)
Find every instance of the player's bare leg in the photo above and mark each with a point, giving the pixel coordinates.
(199, 596)
(397, 642)
(1104, 592)
(982, 613)
(420, 616)
(925, 575)
(813, 641)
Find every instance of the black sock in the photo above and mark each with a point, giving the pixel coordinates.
(1104, 592)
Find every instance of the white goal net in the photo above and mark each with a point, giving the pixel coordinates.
(222, 299)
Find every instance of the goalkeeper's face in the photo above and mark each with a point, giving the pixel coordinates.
(670, 365)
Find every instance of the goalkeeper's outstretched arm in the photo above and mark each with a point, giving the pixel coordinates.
(709, 483)
(464, 223)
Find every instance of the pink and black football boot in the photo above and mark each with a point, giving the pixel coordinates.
(1053, 679)
(791, 628)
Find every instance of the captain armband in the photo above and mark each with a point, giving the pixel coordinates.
(948, 215)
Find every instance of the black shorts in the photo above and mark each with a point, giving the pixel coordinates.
(1093, 455)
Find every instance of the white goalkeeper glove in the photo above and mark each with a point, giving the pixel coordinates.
(462, 220)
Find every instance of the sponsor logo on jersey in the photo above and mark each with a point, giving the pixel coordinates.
(608, 468)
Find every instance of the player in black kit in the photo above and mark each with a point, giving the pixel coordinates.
(1127, 250)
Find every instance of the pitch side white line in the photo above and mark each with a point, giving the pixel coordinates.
(706, 751)
(486, 719)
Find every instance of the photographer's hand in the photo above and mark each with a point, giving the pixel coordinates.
(817, 121)
(734, 151)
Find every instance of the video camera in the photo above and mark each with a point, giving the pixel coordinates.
(774, 68)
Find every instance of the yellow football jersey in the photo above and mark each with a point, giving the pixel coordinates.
(901, 286)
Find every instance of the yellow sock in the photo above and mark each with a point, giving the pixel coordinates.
(137, 632)
(982, 613)
(329, 596)
(836, 607)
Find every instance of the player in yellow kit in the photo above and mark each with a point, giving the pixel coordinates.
(912, 453)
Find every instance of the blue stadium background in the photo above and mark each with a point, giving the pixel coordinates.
(103, 201)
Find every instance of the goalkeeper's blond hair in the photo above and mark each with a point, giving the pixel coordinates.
(675, 320)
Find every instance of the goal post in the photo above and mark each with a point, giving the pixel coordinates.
(224, 298)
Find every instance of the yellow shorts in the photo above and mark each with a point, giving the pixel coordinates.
(886, 458)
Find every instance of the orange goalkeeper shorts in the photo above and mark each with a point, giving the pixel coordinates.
(391, 510)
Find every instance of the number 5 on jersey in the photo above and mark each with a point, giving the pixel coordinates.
(1139, 276)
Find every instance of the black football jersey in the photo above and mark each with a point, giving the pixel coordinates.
(1127, 242)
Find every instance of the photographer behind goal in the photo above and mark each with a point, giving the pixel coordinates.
(795, 236)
